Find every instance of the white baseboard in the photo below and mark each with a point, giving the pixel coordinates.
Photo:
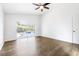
(9, 40)
(59, 39)
(1, 46)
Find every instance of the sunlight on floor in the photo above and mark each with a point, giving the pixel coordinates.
(27, 43)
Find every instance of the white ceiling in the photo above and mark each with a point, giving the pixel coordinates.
(29, 8)
(21, 8)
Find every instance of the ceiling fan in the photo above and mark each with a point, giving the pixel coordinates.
(41, 6)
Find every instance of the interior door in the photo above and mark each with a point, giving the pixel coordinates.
(75, 35)
(75, 31)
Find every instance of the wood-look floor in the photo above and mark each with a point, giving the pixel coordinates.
(39, 46)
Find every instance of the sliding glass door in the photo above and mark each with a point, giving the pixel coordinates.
(25, 30)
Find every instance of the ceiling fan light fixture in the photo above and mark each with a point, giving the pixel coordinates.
(42, 6)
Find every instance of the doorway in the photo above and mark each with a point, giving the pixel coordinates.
(75, 27)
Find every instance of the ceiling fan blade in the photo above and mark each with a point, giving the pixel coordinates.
(37, 8)
(46, 7)
(46, 4)
(36, 4)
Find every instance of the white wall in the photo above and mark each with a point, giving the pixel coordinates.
(57, 23)
(10, 28)
(1, 27)
(10, 24)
